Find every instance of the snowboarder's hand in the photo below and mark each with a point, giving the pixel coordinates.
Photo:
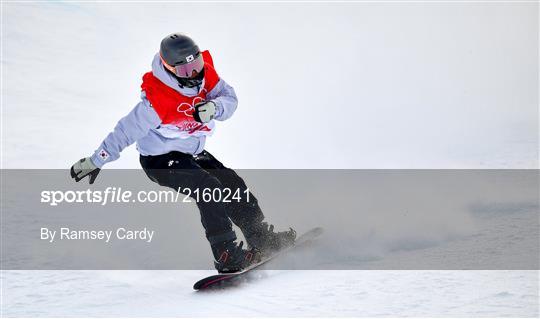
(204, 111)
(84, 167)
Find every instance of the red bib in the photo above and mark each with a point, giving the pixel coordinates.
(174, 108)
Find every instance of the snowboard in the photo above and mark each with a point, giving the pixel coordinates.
(225, 278)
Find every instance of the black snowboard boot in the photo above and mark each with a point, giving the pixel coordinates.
(264, 239)
(231, 257)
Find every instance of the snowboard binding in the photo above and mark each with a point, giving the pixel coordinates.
(267, 241)
(231, 257)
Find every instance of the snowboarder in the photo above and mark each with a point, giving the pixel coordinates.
(180, 100)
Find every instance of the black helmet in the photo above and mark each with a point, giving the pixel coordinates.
(176, 47)
(181, 56)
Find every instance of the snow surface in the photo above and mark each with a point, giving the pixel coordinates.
(501, 238)
(401, 86)
(290, 293)
(427, 86)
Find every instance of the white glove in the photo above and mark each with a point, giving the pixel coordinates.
(204, 111)
(84, 167)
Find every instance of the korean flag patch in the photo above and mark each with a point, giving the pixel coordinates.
(103, 155)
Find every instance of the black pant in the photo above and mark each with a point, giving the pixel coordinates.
(176, 169)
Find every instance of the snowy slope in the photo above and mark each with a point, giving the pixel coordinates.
(370, 292)
(274, 293)
(421, 86)
(426, 85)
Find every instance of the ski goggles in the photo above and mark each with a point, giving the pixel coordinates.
(185, 70)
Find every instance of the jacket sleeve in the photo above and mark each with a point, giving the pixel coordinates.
(224, 97)
(128, 130)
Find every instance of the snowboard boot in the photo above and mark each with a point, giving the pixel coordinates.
(231, 257)
(264, 239)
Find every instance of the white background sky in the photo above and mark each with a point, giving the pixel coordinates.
(320, 85)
